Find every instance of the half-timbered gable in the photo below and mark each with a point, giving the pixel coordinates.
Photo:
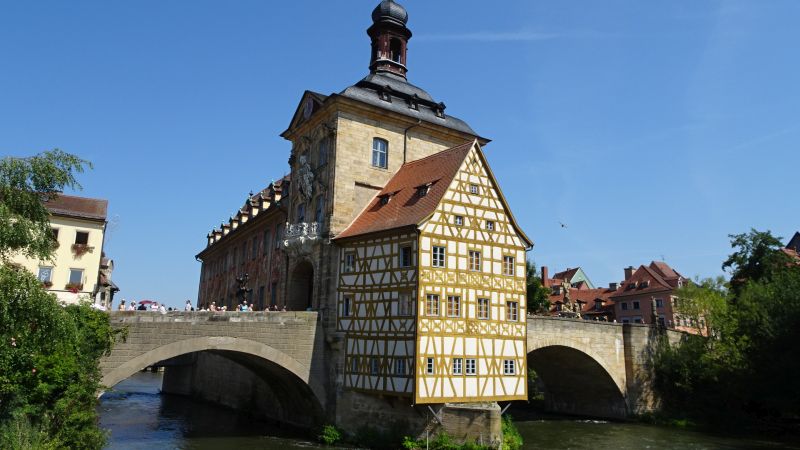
(471, 327)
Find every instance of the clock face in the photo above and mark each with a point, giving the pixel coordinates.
(308, 108)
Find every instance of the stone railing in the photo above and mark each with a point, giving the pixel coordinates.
(298, 237)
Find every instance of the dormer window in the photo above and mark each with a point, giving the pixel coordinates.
(645, 283)
(384, 199)
(422, 191)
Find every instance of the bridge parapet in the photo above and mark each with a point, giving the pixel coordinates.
(281, 317)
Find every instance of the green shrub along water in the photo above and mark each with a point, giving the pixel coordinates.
(512, 440)
(49, 372)
(742, 373)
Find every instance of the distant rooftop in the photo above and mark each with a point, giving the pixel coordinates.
(80, 207)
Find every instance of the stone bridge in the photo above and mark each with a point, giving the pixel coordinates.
(588, 368)
(594, 368)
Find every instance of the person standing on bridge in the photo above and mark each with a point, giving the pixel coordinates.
(188, 305)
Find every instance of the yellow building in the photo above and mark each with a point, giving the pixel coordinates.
(432, 286)
(78, 225)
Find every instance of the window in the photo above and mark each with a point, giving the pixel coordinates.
(374, 366)
(470, 369)
(458, 220)
(474, 189)
(45, 274)
(626, 320)
(82, 237)
(512, 311)
(349, 262)
(54, 231)
(266, 242)
(509, 367)
(429, 366)
(474, 260)
(405, 304)
(490, 225)
(432, 305)
(662, 321)
(320, 209)
(422, 191)
(453, 306)
(255, 248)
(659, 303)
(347, 306)
(322, 152)
(483, 308)
(635, 305)
(301, 212)
(380, 153)
(438, 256)
(637, 320)
(354, 364)
(457, 363)
(384, 199)
(624, 306)
(508, 265)
(405, 256)
(75, 276)
(273, 294)
(400, 366)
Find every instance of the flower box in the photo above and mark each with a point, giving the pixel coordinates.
(81, 249)
(47, 284)
(74, 287)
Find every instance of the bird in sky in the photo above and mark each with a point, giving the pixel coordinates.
(563, 225)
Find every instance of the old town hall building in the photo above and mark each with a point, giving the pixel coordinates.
(392, 226)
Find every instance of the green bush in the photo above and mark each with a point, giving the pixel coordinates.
(330, 435)
(441, 441)
(512, 440)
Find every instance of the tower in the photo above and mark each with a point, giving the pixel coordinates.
(389, 37)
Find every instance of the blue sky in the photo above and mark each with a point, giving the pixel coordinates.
(652, 129)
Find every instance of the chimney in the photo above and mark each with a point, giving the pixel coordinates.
(628, 272)
(545, 277)
(613, 286)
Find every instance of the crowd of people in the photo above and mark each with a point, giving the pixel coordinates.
(147, 305)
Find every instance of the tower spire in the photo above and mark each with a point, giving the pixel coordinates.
(389, 36)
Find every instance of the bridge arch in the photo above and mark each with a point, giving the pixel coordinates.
(256, 356)
(578, 380)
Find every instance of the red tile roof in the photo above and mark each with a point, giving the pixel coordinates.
(405, 207)
(588, 296)
(566, 275)
(634, 285)
(81, 207)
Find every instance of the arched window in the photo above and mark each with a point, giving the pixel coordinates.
(380, 153)
(320, 209)
(395, 50)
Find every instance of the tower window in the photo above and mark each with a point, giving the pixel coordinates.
(380, 153)
(322, 152)
(395, 50)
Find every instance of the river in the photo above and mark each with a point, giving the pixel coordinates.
(139, 417)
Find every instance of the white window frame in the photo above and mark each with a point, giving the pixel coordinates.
(509, 264)
(470, 366)
(475, 262)
(432, 300)
(380, 156)
(347, 306)
(453, 306)
(49, 278)
(400, 366)
(458, 221)
(430, 368)
(512, 311)
(458, 366)
(474, 189)
(488, 309)
(439, 256)
(509, 367)
(349, 262)
(405, 304)
(490, 225)
(70, 276)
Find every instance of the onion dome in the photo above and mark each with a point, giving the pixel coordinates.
(390, 12)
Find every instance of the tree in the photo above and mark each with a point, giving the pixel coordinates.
(49, 355)
(25, 183)
(757, 256)
(537, 296)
